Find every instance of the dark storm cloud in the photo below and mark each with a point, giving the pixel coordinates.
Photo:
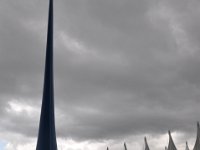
(121, 67)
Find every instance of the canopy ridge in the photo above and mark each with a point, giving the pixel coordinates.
(171, 145)
(125, 147)
(187, 147)
(197, 143)
(146, 144)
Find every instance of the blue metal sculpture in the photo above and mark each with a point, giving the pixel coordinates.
(47, 133)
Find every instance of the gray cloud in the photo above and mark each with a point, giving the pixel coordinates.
(122, 68)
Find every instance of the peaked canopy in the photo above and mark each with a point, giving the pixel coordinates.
(125, 148)
(187, 148)
(47, 133)
(197, 143)
(171, 145)
(146, 144)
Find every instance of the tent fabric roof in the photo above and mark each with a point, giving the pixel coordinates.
(197, 143)
(125, 148)
(146, 144)
(187, 147)
(171, 145)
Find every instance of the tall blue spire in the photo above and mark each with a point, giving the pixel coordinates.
(47, 133)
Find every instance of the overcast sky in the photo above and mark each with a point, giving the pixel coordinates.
(124, 69)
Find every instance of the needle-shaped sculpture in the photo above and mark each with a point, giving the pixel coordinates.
(47, 133)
